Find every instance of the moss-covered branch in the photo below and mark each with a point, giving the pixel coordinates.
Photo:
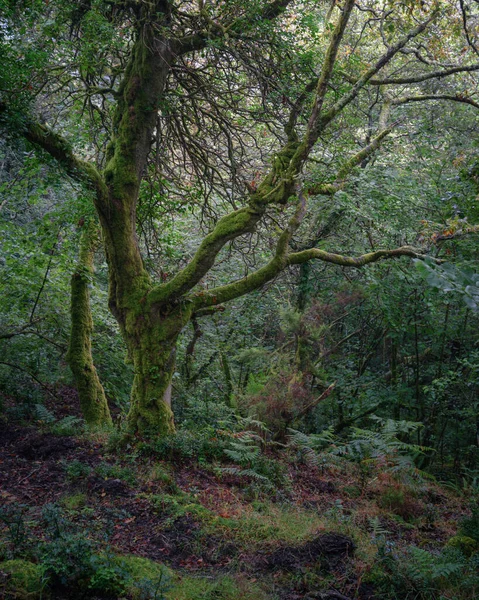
(228, 228)
(60, 149)
(297, 258)
(325, 76)
(267, 273)
(327, 189)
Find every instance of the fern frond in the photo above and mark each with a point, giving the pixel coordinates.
(43, 414)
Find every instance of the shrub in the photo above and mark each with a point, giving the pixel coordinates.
(469, 526)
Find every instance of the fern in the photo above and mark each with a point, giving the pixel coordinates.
(377, 530)
(245, 451)
(366, 448)
(43, 414)
(428, 568)
(68, 426)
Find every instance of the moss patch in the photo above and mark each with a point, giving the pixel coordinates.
(226, 588)
(467, 545)
(144, 575)
(24, 580)
(74, 502)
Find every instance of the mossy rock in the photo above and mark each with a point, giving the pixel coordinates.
(467, 545)
(24, 580)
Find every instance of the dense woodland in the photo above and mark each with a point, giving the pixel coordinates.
(239, 307)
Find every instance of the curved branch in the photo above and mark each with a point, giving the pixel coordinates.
(417, 78)
(228, 228)
(297, 258)
(277, 264)
(59, 149)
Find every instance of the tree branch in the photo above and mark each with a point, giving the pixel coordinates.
(278, 263)
(59, 149)
(214, 30)
(380, 63)
(328, 189)
(449, 97)
(228, 228)
(417, 78)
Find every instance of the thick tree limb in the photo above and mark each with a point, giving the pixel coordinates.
(418, 78)
(279, 263)
(270, 190)
(59, 149)
(228, 228)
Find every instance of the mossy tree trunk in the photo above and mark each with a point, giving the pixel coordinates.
(152, 315)
(93, 401)
(152, 347)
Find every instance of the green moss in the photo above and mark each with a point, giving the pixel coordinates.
(90, 390)
(144, 574)
(160, 474)
(467, 545)
(25, 580)
(180, 505)
(226, 588)
(271, 525)
(74, 502)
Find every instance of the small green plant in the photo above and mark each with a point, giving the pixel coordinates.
(108, 471)
(74, 501)
(185, 446)
(369, 450)
(13, 517)
(43, 415)
(67, 426)
(179, 505)
(25, 581)
(70, 425)
(76, 469)
(161, 475)
(469, 526)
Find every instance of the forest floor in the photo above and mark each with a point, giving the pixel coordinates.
(220, 536)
